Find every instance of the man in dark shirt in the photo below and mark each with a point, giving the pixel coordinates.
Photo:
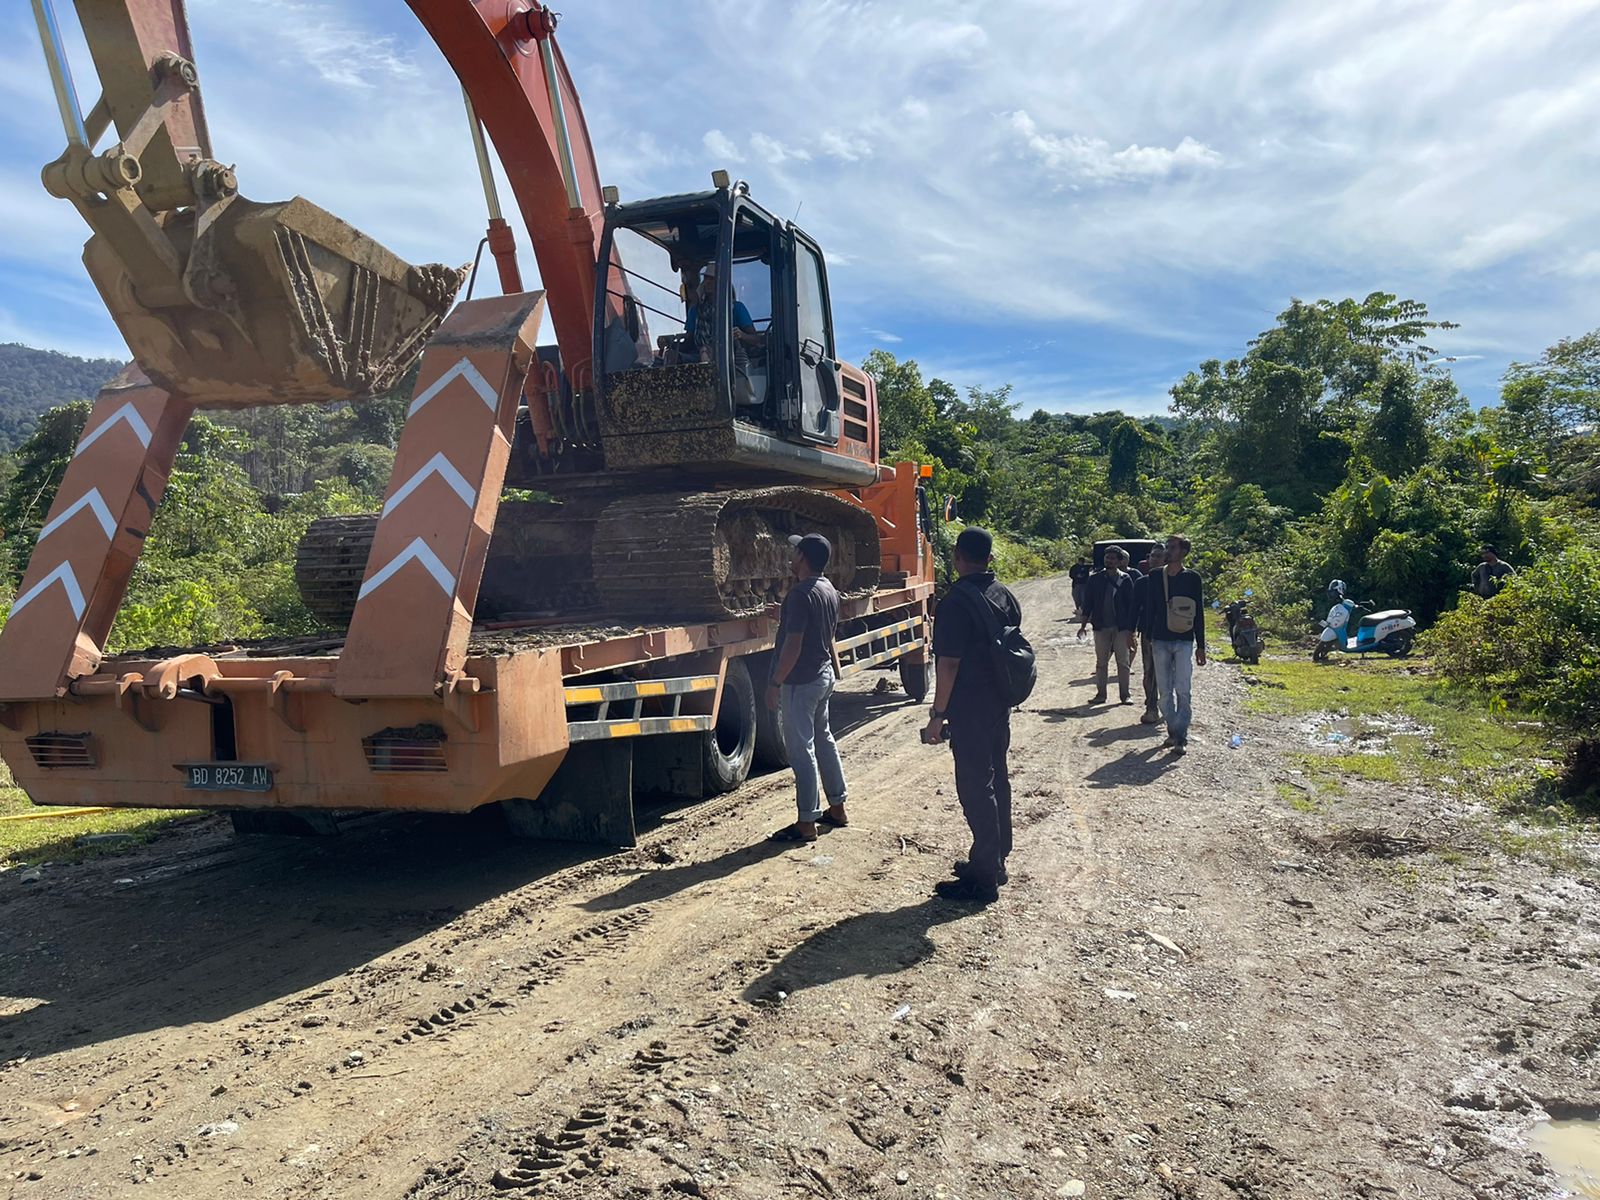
(1144, 610)
(802, 682)
(1490, 575)
(1079, 573)
(968, 696)
(1109, 607)
(1178, 639)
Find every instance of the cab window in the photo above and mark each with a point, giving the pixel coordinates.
(813, 315)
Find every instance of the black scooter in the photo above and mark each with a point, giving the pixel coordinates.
(1246, 637)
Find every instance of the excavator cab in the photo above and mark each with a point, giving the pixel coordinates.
(745, 384)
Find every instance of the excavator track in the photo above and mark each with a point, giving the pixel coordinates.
(667, 556)
(724, 554)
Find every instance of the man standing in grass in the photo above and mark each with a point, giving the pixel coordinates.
(1178, 639)
(1490, 575)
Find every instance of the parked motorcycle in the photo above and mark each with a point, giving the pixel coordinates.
(1244, 635)
(1390, 632)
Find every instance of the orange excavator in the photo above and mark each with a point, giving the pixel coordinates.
(672, 471)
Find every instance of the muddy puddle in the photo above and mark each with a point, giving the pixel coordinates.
(1573, 1149)
(1372, 734)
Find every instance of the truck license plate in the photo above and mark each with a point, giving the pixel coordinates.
(229, 777)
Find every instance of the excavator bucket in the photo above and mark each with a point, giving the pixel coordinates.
(279, 303)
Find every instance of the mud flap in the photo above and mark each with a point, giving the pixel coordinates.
(590, 799)
(671, 767)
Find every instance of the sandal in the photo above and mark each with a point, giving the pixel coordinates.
(836, 822)
(790, 833)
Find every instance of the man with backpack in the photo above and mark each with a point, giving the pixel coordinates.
(983, 668)
(1177, 633)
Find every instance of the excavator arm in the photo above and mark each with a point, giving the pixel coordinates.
(517, 84)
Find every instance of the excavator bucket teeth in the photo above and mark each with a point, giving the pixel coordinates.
(280, 303)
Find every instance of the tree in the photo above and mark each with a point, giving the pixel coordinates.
(1128, 441)
(1286, 414)
(905, 406)
(1550, 412)
(40, 462)
(1396, 436)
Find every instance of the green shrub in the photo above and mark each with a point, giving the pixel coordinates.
(1536, 644)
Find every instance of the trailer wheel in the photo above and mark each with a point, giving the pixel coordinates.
(917, 678)
(770, 748)
(730, 746)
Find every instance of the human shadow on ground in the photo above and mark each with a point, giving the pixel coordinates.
(651, 886)
(1124, 733)
(1135, 768)
(1058, 716)
(866, 946)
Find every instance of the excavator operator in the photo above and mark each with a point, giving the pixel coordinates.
(703, 333)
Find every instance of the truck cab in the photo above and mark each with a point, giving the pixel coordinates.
(769, 402)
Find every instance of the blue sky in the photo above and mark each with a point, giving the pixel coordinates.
(1083, 200)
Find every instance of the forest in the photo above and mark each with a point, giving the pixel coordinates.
(1334, 445)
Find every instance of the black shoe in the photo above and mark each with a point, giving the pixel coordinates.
(1099, 698)
(964, 869)
(966, 892)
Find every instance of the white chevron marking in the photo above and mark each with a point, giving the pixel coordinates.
(417, 551)
(62, 574)
(90, 499)
(462, 370)
(127, 413)
(437, 465)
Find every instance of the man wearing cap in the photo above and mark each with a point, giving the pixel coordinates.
(802, 682)
(968, 696)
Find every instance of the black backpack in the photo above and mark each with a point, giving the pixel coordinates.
(1009, 652)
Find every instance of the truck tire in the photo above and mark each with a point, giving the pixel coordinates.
(917, 678)
(771, 751)
(731, 745)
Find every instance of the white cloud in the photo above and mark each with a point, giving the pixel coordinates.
(308, 33)
(1171, 172)
(881, 335)
(1093, 160)
(844, 146)
(771, 150)
(721, 147)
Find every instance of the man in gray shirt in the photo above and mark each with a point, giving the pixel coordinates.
(803, 676)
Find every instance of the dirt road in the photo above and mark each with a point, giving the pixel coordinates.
(1190, 988)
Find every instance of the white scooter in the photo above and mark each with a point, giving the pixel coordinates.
(1390, 632)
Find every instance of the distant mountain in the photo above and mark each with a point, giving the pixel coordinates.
(34, 380)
